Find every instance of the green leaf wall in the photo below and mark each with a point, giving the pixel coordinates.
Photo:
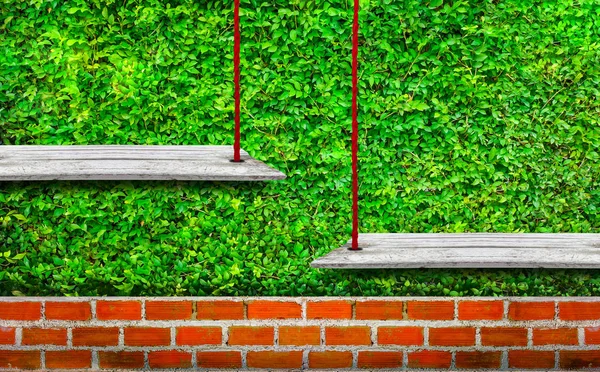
(475, 116)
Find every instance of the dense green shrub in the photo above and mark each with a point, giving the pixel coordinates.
(475, 116)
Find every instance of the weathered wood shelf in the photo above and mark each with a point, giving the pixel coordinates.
(123, 162)
(470, 250)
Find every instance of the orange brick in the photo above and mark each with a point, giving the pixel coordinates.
(274, 310)
(289, 335)
(219, 359)
(429, 359)
(348, 336)
(26, 310)
(121, 359)
(44, 336)
(26, 359)
(95, 336)
(592, 336)
(379, 359)
(274, 359)
(556, 336)
(480, 310)
(240, 335)
(383, 310)
(220, 310)
(168, 310)
(68, 310)
(478, 359)
(169, 359)
(330, 359)
(68, 359)
(531, 359)
(527, 310)
(329, 310)
(504, 336)
(7, 336)
(579, 310)
(578, 359)
(147, 336)
(431, 310)
(119, 310)
(400, 335)
(454, 336)
(199, 336)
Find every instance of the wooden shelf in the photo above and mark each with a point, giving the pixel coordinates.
(123, 162)
(470, 250)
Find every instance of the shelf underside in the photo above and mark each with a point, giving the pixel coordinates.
(470, 250)
(124, 162)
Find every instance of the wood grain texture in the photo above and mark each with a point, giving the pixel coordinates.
(124, 162)
(470, 250)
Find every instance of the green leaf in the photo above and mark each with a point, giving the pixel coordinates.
(435, 3)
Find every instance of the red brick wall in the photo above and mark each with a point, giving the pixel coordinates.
(347, 333)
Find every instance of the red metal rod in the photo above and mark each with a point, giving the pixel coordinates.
(355, 128)
(236, 78)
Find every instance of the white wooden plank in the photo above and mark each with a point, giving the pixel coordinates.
(124, 162)
(470, 250)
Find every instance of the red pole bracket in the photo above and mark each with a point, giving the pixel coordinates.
(236, 78)
(355, 129)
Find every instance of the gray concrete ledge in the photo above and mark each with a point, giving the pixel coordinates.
(469, 250)
(124, 162)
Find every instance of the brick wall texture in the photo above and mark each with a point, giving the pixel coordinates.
(300, 333)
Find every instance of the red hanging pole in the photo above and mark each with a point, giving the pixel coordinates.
(355, 128)
(236, 78)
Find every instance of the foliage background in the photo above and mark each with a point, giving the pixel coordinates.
(476, 115)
